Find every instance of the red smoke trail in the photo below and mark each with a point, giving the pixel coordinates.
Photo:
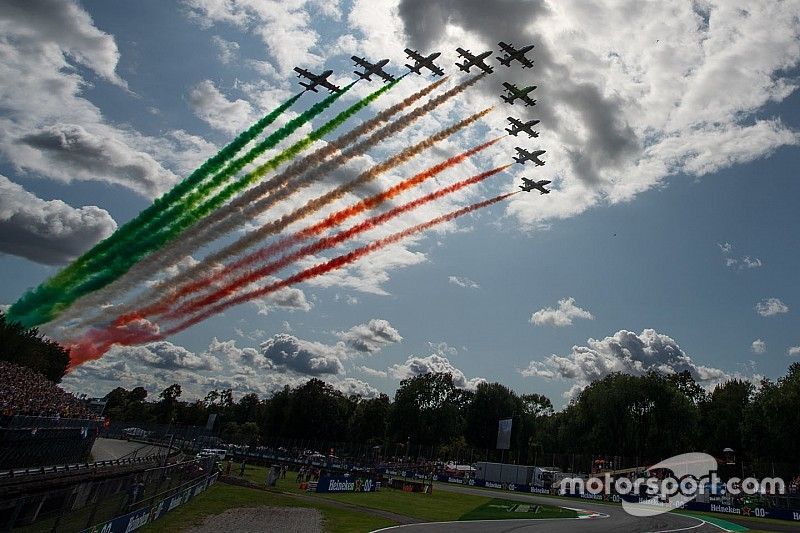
(333, 264)
(285, 243)
(322, 244)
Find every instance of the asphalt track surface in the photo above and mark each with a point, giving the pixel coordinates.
(110, 449)
(610, 518)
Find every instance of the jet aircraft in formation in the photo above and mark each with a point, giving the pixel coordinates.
(474, 61)
(523, 155)
(529, 185)
(515, 93)
(372, 68)
(515, 54)
(316, 80)
(518, 126)
(421, 62)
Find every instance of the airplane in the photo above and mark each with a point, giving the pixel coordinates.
(471, 60)
(372, 68)
(515, 93)
(524, 155)
(529, 185)
(421, 62)
(316, 80)
(513, 53)
(517, 126)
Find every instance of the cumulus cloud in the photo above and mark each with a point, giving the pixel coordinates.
(49, 128)
(371, 337)
(226, 50)
(80, 153)
(304, 357)
(164, 354)
(356, 387)
(466, 283)
(416, 366)
(562, 316)
(626, 110)
(626, 352)
(49, 232)
(758, 346)
(744, 262)
(211, 106)
(793, 350)
(288, 299)
(372, 372)
(771, 307)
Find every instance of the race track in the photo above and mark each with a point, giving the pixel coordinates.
(110, 449)
(609, 519)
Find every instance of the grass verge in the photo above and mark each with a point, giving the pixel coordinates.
(221, 497)
(498, 509)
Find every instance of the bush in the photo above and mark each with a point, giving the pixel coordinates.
(25, 347)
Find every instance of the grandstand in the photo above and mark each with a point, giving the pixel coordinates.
(24, 391)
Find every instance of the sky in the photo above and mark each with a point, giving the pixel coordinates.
(669, 241)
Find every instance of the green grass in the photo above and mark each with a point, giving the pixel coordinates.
(436, 507)
(498, 509)
(221, 497)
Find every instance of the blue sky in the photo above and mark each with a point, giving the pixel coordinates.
(673, 151)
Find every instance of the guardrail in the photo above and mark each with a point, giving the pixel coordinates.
(75, 468)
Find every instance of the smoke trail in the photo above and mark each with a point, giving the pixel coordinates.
(233, 214)
(333, 264)
(242, 281)
(196, 236)
(44, 292)
(248, 206)
(95, 343)
(116, 261)
(296, 238)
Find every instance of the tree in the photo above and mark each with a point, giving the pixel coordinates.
(25, 347)
(428, 409)
(490, 403)
(722, 416)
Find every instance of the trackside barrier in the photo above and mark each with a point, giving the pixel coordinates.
(755, 511)
(136, 519)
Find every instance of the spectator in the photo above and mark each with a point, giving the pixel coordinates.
(242, 466)
(26, 392)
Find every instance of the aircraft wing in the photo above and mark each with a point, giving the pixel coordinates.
(413, 54)
(510, 87)
(464, 53)
(303, 72)
(362, 62)
(526, 63)
(507, 47)
(516, 122)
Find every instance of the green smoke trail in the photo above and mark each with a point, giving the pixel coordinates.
(54, 285)
(118, 264)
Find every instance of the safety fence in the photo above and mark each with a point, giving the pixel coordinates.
(27, 441)
(58, 505)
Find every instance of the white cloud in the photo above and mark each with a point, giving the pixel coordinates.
(227, 51)
(567, 310)
(759, 346)
(50, 129)
(463, 282)
(625, 352)
(284, 26)
(372, 372)
(371, 337)
(355, 387)
(304, 357)
(793, 350)
(771, 307)
(416, 366)
(745, 262)
(211, 106)
(49, 232)
(164, 354)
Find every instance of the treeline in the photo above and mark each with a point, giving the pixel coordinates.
(26, 347)
(649, 417)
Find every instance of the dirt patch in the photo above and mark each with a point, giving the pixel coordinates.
(259, 519)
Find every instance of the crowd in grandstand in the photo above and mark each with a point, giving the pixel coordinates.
(26, 392)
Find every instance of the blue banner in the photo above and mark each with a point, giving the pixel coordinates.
(346, 484)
